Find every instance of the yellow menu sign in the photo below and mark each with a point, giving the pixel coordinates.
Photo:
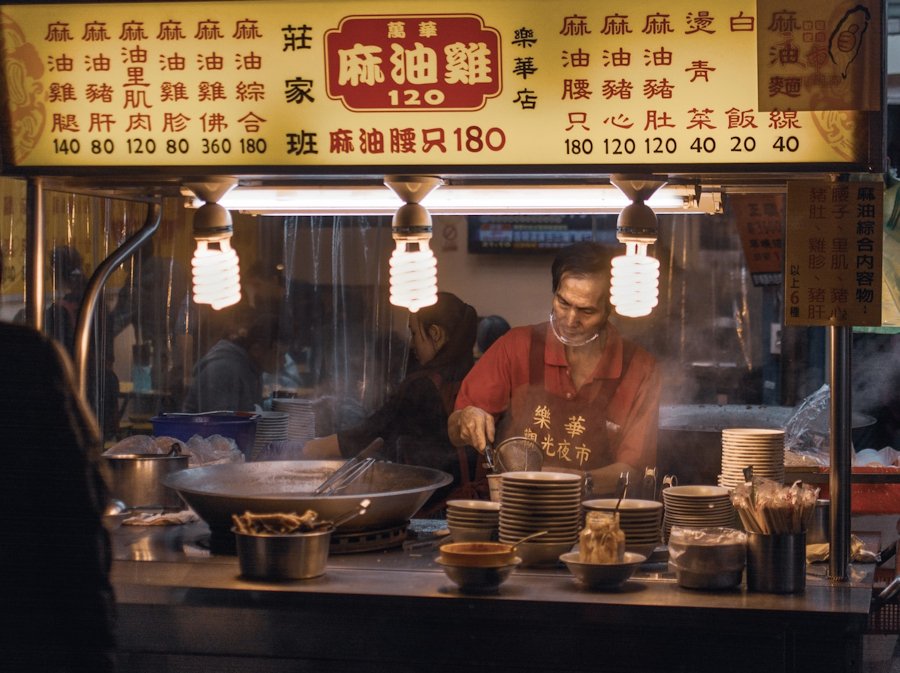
(833, 253)
(302, 85)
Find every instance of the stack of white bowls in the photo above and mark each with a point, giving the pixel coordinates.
(531, 502)
(272, 426)
(640, 520)
(698, 506)
(759, 447)
(301, 417)
(473, 520)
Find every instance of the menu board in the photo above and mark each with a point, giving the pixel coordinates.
(760, 222)
(833, 254)
(304, 85)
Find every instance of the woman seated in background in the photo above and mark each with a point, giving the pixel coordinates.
(413, 420)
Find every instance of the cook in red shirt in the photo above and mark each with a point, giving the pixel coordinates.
(588, 397)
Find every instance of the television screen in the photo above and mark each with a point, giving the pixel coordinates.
(537, 233)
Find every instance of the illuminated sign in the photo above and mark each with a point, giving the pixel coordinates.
(299, 86)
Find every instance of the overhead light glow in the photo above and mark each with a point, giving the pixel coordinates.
(216, 273)
(634, 279)
(215, 265)
(459, 200)
(413, 275)
(634, 289)
(413, 266)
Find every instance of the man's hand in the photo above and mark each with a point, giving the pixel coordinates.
(472, 426)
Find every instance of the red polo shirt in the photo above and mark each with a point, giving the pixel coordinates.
(633, 413)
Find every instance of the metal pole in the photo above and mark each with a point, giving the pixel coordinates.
(839, 478)
(95, 286)
(34, 250)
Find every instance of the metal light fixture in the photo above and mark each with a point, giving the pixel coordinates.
(413, 266)
(634, 285)
(215, 265)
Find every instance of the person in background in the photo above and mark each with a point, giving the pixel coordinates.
(70, 282)
(58, 608)
(490, 328)
(229, 376)
(587, 396)
(413, 420)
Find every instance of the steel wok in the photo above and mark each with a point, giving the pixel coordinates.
(215, 492)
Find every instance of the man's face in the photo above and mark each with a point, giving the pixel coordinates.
(581, 306)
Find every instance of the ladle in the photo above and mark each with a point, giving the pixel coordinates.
(359, 511)
(623, 484)
(528, 537)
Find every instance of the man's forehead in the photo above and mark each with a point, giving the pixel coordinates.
(584, 289)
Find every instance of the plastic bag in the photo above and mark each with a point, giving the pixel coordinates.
(213, 450)
(807, 432)
(141, 445)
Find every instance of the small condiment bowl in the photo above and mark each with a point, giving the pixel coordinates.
(604, 576)
(478, 579)
(291, 556)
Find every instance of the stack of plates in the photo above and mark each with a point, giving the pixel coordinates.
(473, 520)
(697, 507)
(272, 426)
(301, 417)
(761, 448)
(541, 501)
(640, 520)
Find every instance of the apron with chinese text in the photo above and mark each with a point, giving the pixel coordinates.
(571, 433)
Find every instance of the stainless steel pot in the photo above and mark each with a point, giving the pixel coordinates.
(137, 479)
(216, 492)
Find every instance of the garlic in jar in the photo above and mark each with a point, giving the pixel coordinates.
(601, 540)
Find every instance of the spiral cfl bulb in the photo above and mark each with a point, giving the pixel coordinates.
(216, 274)
(634, 286)
(413, 275)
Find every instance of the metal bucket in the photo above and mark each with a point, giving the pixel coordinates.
(137, 479)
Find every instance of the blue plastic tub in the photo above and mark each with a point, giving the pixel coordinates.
(237, 425)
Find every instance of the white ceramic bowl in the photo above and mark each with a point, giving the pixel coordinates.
(605, 576)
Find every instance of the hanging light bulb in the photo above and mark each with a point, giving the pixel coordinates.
(413, 266)
(634, 281)
(216, 267)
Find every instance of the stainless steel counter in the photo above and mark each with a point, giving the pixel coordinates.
(182, 608)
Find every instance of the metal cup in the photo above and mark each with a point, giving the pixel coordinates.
(495, 483)
(776, 564)
(820, 527)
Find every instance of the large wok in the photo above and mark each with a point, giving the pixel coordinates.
(215, 492)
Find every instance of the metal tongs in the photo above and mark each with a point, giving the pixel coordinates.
(352, 469)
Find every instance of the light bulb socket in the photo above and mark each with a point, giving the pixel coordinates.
(637, 223)
(212, 222)
(411, 222)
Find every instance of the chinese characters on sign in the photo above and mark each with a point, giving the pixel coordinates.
(833, 253)
(760, 221)
(413, 63)
(496, 83)
(816, 55)
(564, 441)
